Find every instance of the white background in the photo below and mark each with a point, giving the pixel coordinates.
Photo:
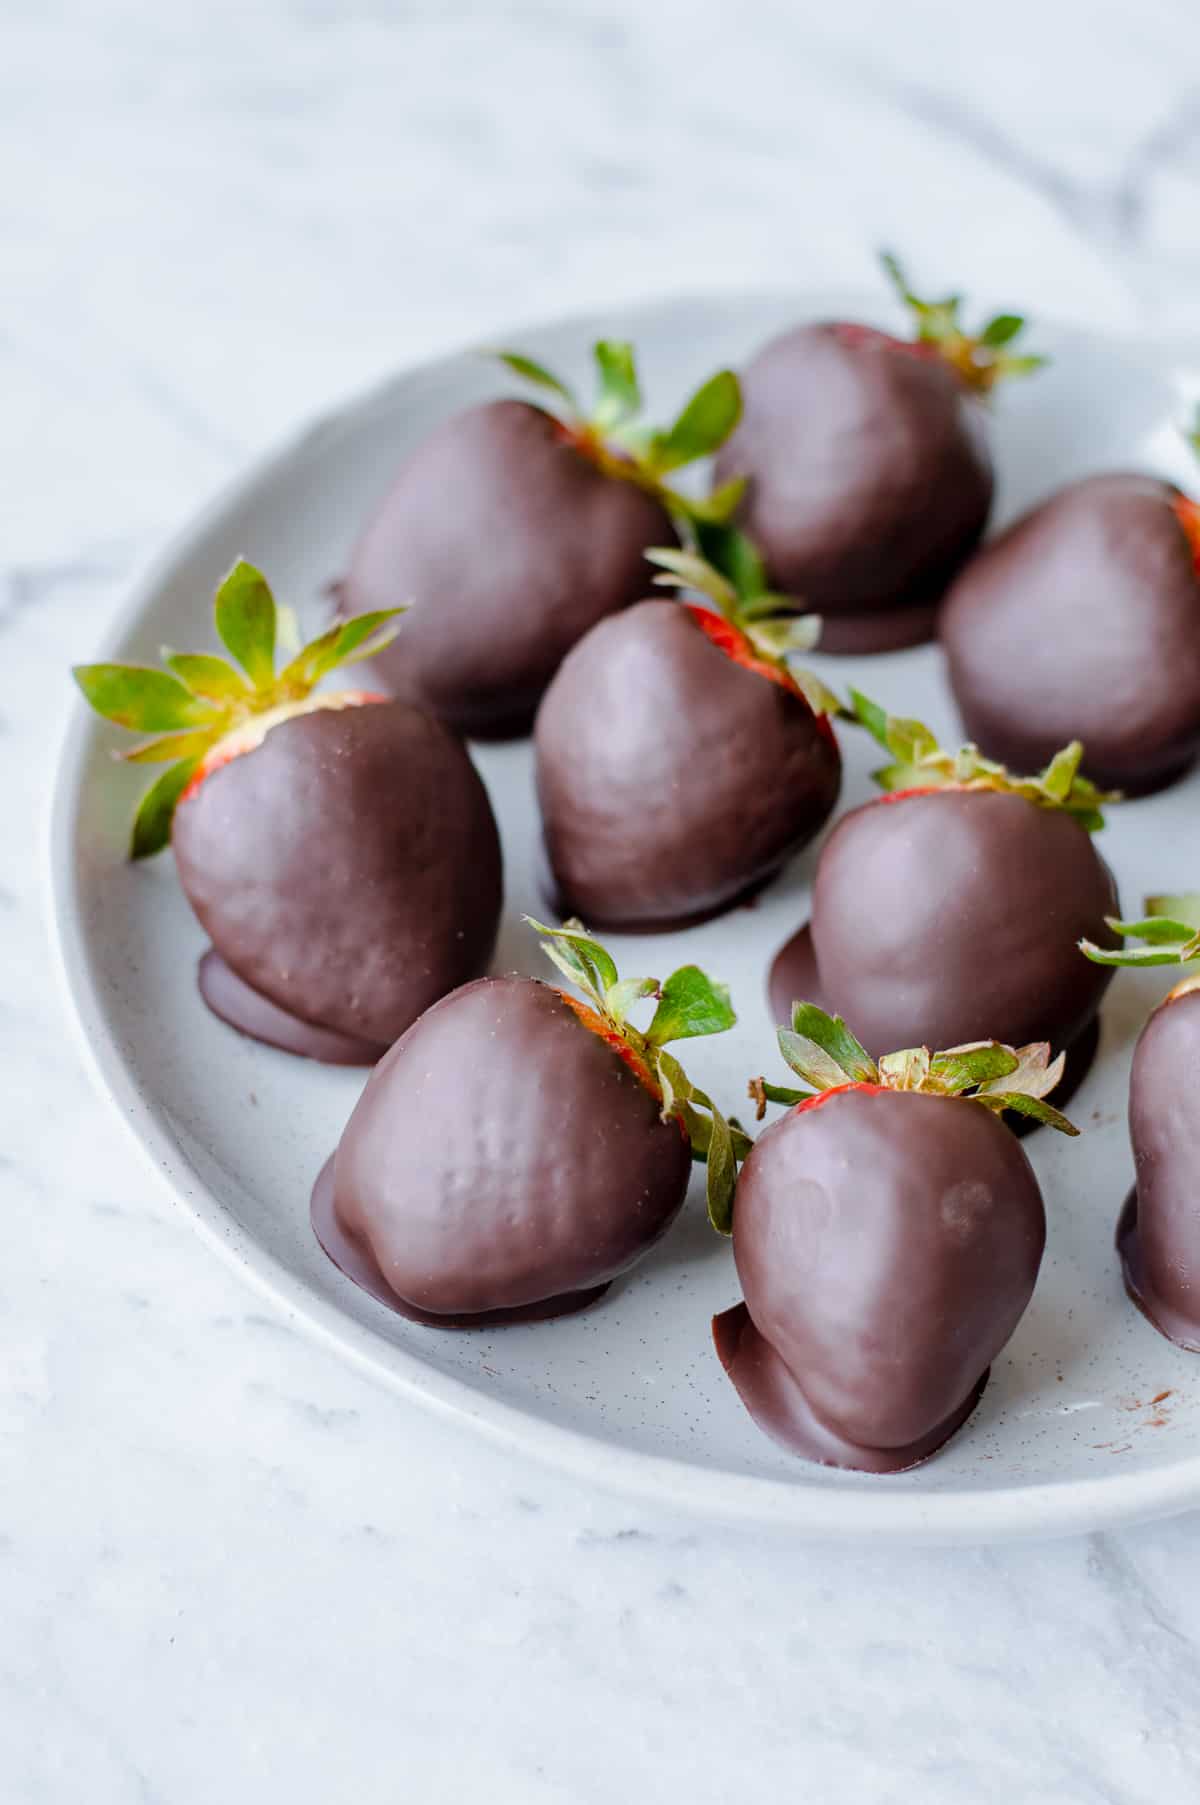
(230, 1567)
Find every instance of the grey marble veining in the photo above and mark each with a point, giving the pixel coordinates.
(230, 1566)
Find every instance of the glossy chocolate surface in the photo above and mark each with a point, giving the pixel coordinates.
(502, 1155)
(672, 780)
(869, 476)
(1158, 1237)
(347, 869)
(954, 916)
(1082, 621)
(505, 545)
(887, 1245)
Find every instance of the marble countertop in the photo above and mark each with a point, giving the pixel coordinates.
(231, 1566)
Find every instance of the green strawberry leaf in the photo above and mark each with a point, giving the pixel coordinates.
(830, 1034)
(702, 426)
(208, 676)
(735, 555)
(1131, 955)
(620, 397)
(245, 616)
(192, 745)
(961, 1068)
(691, 1004)
(1181, 908)
(1060, 774)
(779, 638)
(621, 997)
(721, 1176)
(1160, 930)
(1025, 1105)
(537, 373)
(685, 570)
(720, 505)
(156, 810)
(581, 958)
(145, 700)
(871, 716)
(346, 642)
(1023, 366)
(1001, 328)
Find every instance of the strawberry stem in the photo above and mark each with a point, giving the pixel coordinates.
(980, 359)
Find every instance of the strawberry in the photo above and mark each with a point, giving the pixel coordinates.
(679, 761)
(869, 474)
(513, 529)
(887, 1233)
(950, 907)
(1082, 620)
(518, 1149)
(1158, 1234)
(339, 849)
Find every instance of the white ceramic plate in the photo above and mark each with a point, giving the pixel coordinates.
(630, 1394)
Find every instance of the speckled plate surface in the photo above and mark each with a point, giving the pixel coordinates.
(1090, 1417)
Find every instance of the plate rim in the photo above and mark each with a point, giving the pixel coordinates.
(1003, 1513)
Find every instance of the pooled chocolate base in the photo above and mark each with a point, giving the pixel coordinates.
(776, 1402)
(1183, 1330)
(353, 1257)
(234, 1002)
(794, 978)
(893, 630)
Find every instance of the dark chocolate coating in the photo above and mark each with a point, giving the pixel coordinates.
(348, 868)
(502, 1154)
(869, 476)
(506, 545)
(1082, 621)
(671, 779)
(1159, 1234)
(887, 1244)
(954, 916)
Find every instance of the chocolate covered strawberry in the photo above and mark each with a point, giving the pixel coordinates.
(514, 528)
(519, 1148)
(869, 474)
(339, 849)
(888, 1232)
(679, 760)
(950, 907)
(1082, 621)
(1158, 1234)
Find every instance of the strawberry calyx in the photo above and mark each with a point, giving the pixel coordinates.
(920, 764)
(203, 710)
(1169, 932)
(688, 1004)
(980, 360)
(753, 625)
(822, 1051)
(613, 437)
